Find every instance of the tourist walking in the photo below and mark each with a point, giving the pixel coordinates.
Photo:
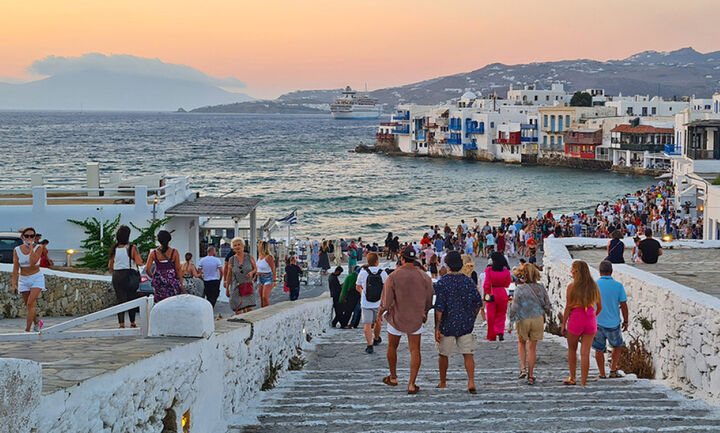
(292, 278)
(125, 277)
(167, 277)
(266, 273)
(406, 298)
(457, 303)
(369, 284)
(527, 312)
(340, 316)
(238, 278)
(211, 269)
(324, 260)
(579, 319)
(350, 297)
(191, 277)
(609, 326)
(497, 280)
(649, 248)
(616, 248)
(27, 279)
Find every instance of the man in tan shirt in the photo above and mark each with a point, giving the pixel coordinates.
(406, 300)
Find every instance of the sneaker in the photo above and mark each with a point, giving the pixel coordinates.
(501, 337)
(369, 349)
(377, 341)
(38, 327)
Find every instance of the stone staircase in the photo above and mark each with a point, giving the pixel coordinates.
(340, 390)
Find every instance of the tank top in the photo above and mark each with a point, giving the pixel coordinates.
(122, 260)
(24, 259)
(263, 267)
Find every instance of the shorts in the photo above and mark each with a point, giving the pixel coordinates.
(392, 331)
(468, 251)
(465, 344)
(34, 281)
(531, 329)
(369, 315)
(582, 321)
(265, 279)
(604, 335)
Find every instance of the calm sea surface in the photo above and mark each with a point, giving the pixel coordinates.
(303, 162)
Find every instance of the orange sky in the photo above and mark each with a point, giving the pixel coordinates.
(280, 45)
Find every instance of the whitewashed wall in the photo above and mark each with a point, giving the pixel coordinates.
(685, 338)
(214, 378)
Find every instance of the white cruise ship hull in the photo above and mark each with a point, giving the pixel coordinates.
(356, 113)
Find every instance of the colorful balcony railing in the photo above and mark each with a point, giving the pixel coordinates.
(402, 129)
(401, 115)
(529, 139)
(454, 141)
(672, 149)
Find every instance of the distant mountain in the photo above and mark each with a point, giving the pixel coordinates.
(683, 72)
(260, 107)
(99, 82)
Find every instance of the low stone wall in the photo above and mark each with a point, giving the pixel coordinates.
(684, 339)
(20, 386)
(589, 164)
(67, 294)
(214, 378)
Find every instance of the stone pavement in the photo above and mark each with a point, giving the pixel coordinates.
(340, 390)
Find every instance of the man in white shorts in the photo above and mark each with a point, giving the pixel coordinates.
(406, 300)
(370, 282)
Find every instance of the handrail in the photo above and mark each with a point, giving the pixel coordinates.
(60, 331)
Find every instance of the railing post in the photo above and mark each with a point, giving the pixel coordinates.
(39, 199)
(141, 197)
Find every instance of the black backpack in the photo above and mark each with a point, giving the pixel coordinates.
(373, 285)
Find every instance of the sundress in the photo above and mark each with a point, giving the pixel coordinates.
(165, 282)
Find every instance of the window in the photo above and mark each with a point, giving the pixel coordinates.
(492, 124)
(552, 140)
(545, 121)
(630, 111)
(547, 97)
(552, 123)
(644, 111)
(559, 141)
(567, 120)
(545, 140)
(654, 111)
(560, 123)
(536, 97)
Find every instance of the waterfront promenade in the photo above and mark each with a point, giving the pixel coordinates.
(340, 390)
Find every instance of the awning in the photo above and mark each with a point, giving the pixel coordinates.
(228, 206)
(664, 176)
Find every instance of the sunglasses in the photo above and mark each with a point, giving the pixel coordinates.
(28, 236)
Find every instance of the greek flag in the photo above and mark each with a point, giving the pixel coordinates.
(290, 219)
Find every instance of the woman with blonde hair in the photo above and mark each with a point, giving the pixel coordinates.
(239, 273)
(265, 273)
(324, 258)
(580, 319)
(527, 311)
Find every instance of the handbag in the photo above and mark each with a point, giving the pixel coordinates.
(489, 297)
(244, 289)
(133, 274)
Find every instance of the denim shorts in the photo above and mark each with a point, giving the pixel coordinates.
(265, 279)
(611, 335)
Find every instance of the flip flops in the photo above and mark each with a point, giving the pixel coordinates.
(531, 380)
(472, 390)
(614, 374)
(569, 381)
(387, 380)
(414, 391)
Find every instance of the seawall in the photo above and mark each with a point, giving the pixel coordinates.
(212, 380)
(684, 324)
(67, 294)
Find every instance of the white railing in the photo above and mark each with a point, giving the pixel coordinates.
(60, 331)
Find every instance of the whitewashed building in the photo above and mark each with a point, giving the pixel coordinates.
(532, 95)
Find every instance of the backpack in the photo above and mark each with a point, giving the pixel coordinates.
(373, 285)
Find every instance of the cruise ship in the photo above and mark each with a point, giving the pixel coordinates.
(350, 106)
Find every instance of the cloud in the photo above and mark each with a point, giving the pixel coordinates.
(127, 64)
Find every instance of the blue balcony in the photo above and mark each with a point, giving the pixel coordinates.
(454, 141)
(455, 124)
(401, 115)
(470, 145)
(476, 129)
(420, 135)
(528, 139)
(672, 149)
(528, 126)
(401, 129)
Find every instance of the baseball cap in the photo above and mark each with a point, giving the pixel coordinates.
(409, 253)
(454, 261)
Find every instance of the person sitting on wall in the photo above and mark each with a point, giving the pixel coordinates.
(649, 249)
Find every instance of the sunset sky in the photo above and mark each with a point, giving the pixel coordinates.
(275, 46)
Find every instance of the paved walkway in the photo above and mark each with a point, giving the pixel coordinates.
(340, 390)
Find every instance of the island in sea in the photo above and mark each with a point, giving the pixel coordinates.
(260, 107)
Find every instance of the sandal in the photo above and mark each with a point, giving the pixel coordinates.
(523, 374)
(531, 380)
(413, 391)
(569, 381)
(387, 380)
(614, 374)
(472, 390)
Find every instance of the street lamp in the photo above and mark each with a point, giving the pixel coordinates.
(156, 200)
(68, 260)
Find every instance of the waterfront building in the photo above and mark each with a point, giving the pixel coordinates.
(642, 145)
(581, 142)
(532, 95)
(555, 120)
(696, 171)
(644, 105)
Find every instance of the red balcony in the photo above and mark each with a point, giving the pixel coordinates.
(388, 123)
(381, 137)
(580, 151)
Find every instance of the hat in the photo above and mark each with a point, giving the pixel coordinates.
(454, 261)
(409, 253)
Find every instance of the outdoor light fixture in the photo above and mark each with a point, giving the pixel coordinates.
(186, 422)
(701, 208)
(68, 261)
(667, 238)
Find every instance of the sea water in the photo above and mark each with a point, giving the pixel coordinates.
(301, 162)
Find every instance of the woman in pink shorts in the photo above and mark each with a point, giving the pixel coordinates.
(579, 319)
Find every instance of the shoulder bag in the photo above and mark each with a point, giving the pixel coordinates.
(246, 288)
(133, 274)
